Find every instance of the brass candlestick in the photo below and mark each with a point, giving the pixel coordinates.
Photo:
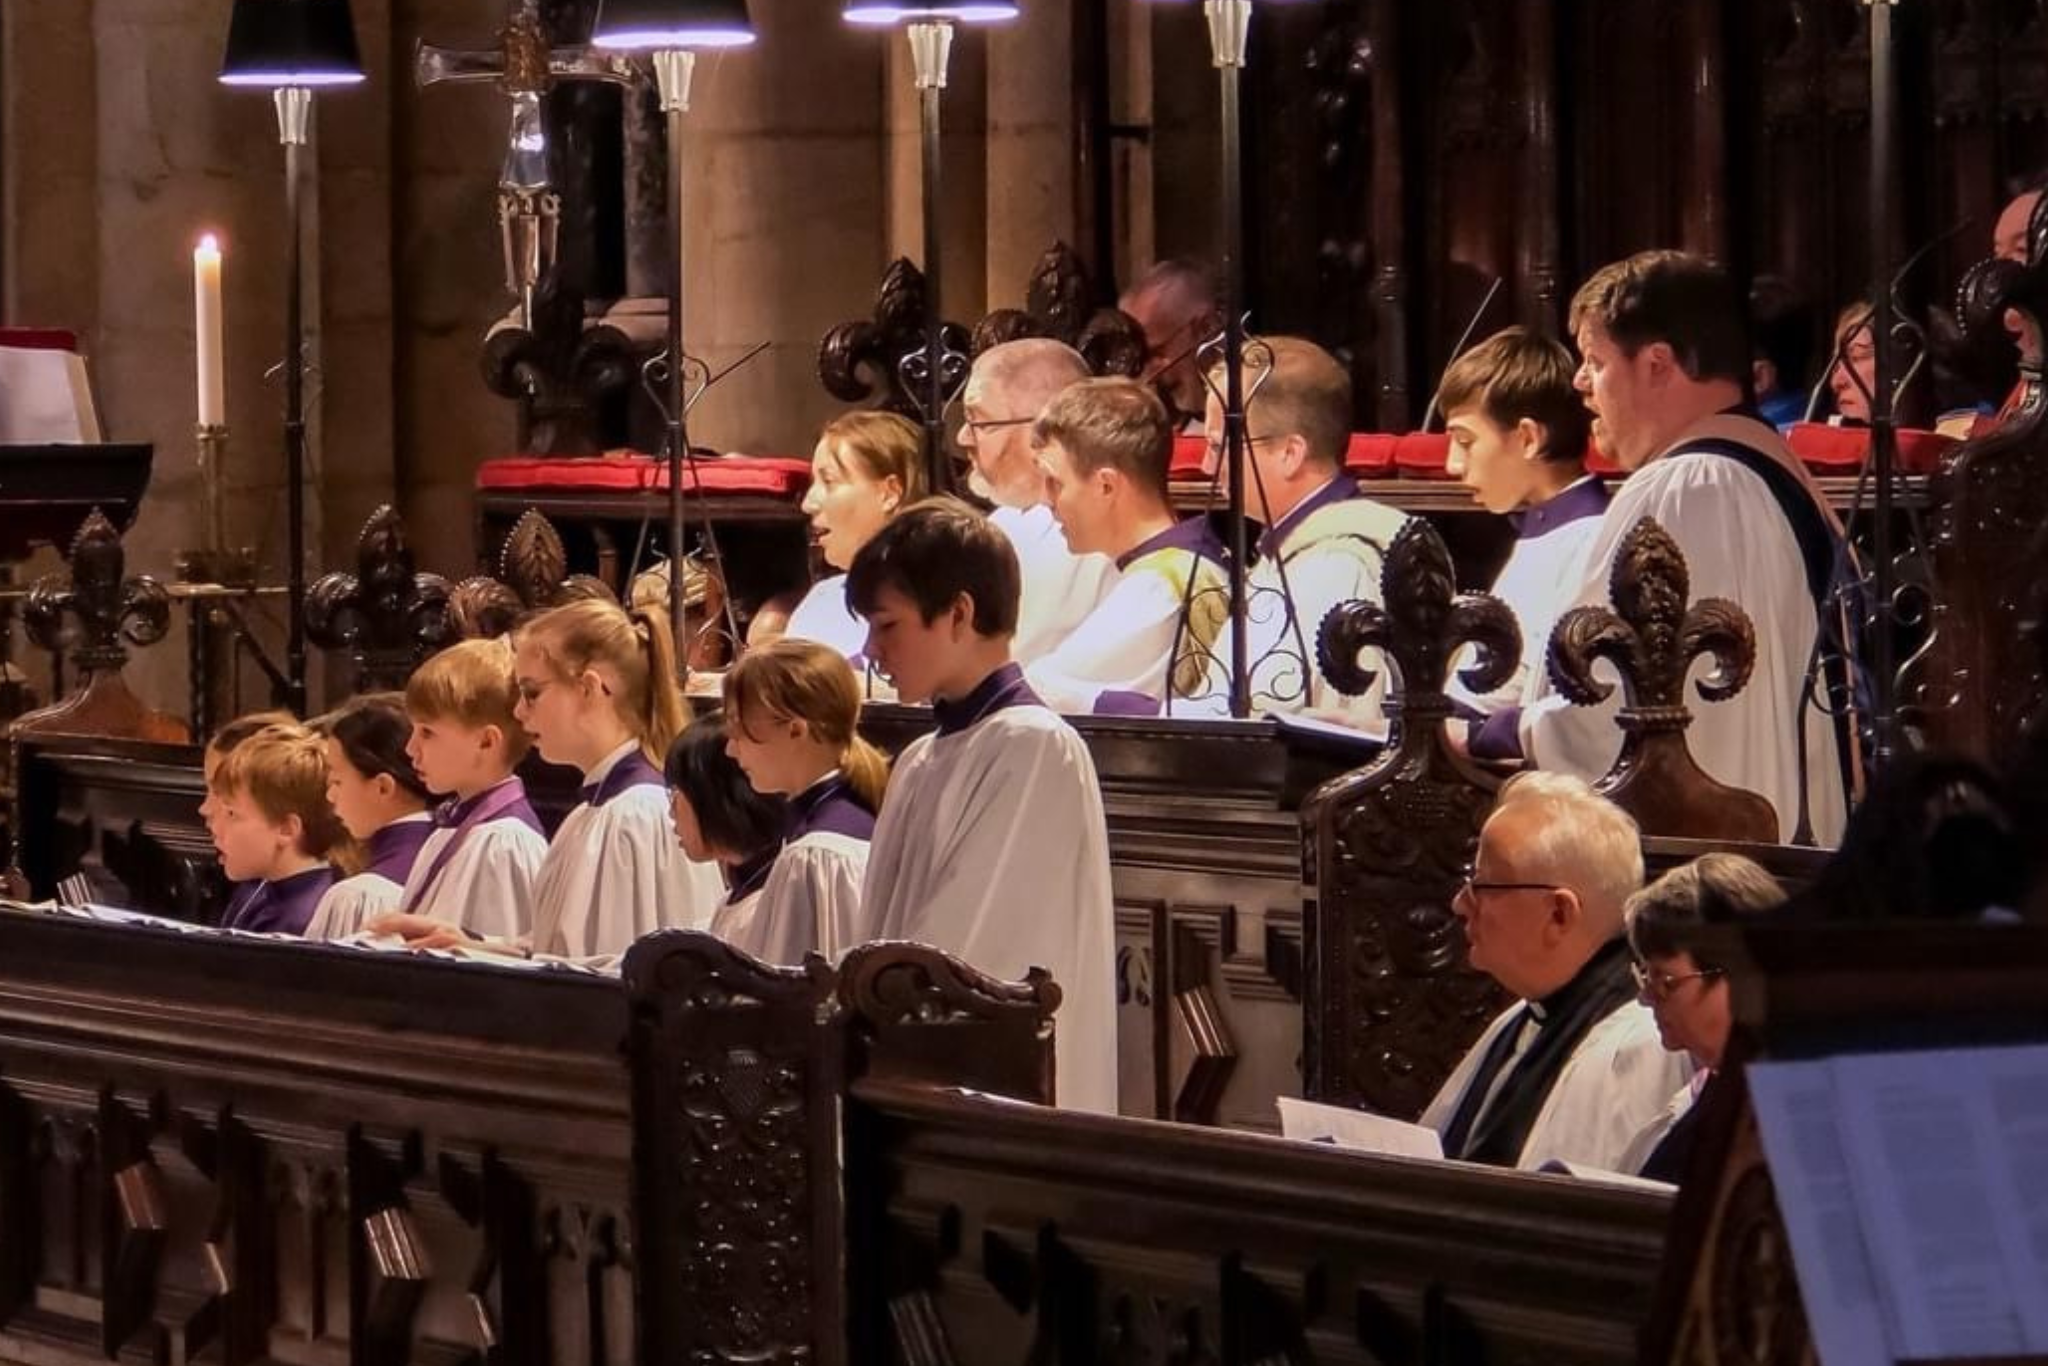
(205, 573)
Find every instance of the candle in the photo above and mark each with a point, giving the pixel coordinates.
(213, 385)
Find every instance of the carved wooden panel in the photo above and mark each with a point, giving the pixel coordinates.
(387, 616)
(1391, 1003)
(996, 1234)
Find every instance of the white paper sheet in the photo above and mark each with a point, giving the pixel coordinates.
(1315, 1123)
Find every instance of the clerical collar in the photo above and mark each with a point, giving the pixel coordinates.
(1340, 489)
(620, 771)
(1588, 979)
(750, 875)
(828, 807)
(1003, 688)
(1193, 535)
(1573, 503)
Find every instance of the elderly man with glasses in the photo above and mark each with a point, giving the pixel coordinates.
(1574, 1071)
(1007, 389)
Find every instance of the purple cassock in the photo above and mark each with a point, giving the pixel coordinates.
(283, 906)
(395, 848)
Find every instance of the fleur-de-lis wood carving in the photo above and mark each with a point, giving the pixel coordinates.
(93, 616)
(1651, 636)
(1060, 302)
(1393, 1001)
(386, 615)
(868, 357)
(533, 573)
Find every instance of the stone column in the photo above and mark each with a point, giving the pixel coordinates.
(1030, 145)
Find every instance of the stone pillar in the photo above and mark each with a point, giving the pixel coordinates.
(1030, 145)
(786, 207)
(963, 128)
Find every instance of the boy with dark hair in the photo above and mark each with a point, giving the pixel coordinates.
(1104, 446)
(1518, 442)
(992, 844)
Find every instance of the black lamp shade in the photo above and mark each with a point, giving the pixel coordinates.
(672, 24)
(273, 43)
(928, 11)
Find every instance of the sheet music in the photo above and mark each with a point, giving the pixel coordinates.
(1309, 1121)
(1914, 1188)
(1796, 1118)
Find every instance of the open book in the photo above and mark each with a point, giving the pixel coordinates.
(1914, 1189)
(45, 399)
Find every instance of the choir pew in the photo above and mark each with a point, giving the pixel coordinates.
(988, 1232)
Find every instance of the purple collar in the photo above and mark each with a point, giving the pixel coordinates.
(1001, 689)
(829, 807)
(749, 875)
(395, 848)
(1339, 490)
(631, 771)
(1193, 535)
(1575, 503)
(283, 906)
(507, 802)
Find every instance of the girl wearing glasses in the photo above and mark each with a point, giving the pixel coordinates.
(1689, 997)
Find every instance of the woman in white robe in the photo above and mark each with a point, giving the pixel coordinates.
(377, 793)
(792, 708)
(866, 466)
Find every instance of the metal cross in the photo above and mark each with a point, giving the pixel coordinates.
(525, 68)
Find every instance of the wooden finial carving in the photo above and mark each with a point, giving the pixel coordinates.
(93, 616)
(881, 357)
(916, 1012)
(386, 615)
(533, 573)
(1060, 302)
(1391, 1004)
(1651, 636)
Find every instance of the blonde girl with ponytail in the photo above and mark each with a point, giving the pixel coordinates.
(791, 711)
(596, 690)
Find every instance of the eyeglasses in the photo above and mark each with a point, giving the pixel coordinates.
(1471, 886)
(982, 426)
(1214, 445)
(1654, 984)
(530, 690)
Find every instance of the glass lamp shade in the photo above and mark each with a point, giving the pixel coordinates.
(640, 24)
(273, 43)
(929, 11)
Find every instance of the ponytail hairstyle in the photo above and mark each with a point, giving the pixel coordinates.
(802, 680)
(632, 651)
(283, 770)
(372, 731)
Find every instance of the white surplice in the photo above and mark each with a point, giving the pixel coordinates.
(351, 904)
(1617, 1081)
(1123, 645)
(1540, 580)
(1737, 545)
(614, 873)
(1060, 587)
(810, 903)
(1328, 550)
(825, 617)
(487, 885)
(992, 847)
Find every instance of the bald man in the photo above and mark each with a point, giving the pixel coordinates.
(1175, 304)
(1007, 389)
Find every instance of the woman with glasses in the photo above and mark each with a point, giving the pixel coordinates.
(1688, 996)
(867, 466)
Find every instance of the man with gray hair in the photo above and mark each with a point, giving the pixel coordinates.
(1007, 389)
(1575, 1069)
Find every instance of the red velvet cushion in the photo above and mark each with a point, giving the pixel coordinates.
(1842, 450)
(39, 338)
(629, 471)
(1371, 455)
(1423, 455)
(1190, 456)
